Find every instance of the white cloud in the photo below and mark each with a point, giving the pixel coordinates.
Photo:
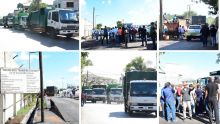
(82, 2)
(74, 69)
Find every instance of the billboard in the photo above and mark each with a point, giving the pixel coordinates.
(19, 80)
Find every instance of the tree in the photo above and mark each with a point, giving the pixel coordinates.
(85, 61)
(189, 14)
(36, 5)
(137, 64)
(218, 59)
(213, 6)
(211, 20)
(98, 26)
(20, 6)
(119, 24)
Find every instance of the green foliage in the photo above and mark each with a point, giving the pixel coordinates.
(98, 26)
(85, 61)
(119, 24)
(211, 20)
(113, 85)
(20, 6)
(213, 6)
(138, 65)
(36, 5)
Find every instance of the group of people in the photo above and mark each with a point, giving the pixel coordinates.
(125, 34)
(207, 32)
(199, 101)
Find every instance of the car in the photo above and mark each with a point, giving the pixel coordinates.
(193, 32)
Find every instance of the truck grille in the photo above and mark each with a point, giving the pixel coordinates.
(72, 27)
(146, 104)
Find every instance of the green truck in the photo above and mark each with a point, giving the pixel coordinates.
(20, 19)
(140, 92)
(54, 22)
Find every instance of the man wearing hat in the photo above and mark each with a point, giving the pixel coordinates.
(186, 100)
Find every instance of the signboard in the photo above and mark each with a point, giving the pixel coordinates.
(215, 73)
(19, 80)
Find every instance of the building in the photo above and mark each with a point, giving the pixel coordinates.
(10, 102)
(67, 4)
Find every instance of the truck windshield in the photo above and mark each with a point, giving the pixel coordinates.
(88, 91)
(68, 16)
(99, 91)
(116, 91)
(143, 89)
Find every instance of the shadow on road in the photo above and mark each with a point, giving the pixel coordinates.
(45, 40)
(134, 115)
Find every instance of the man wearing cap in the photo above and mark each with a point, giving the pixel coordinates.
(211, 92)
(186, 100)
(168, 95)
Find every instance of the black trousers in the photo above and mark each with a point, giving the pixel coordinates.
(105, 36)
(213, 102)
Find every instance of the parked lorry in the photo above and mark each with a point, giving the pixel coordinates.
(88, 94)
(20, 19)
(140, 92)
(115, 95)
(51, 90)
(99, 93)
(54, 22)
(8, 21)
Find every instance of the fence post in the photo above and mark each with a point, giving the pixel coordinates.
(14, 104)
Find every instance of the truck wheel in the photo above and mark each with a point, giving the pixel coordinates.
(69, 35)
(53, 33)
(188, 38)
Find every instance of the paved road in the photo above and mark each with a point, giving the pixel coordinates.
(184, 45)
(96, 45)
(15, 40)
(69, 109)
(113, 114)
(195, 120)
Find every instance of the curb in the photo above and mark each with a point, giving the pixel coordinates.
(27, 116)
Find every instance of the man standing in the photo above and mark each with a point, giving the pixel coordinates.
(168, 95)
(143, 36)
(178, 97)
(105, 35)
(213, 32)
(211, 92)
(204, 34)
(153, 35)
(186, 101)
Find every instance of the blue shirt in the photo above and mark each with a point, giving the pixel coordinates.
(168, 94)
(161, 97)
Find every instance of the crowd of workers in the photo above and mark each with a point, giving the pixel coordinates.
(126, 34)
(200, 101)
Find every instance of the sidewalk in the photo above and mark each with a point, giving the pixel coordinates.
(49, 118)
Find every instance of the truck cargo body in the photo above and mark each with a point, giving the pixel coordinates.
(198, 20)
(139, 90)
(54, 22)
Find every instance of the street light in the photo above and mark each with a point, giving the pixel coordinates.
(30, 59)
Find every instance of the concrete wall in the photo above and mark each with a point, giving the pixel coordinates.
(7, 100)
(63, 4)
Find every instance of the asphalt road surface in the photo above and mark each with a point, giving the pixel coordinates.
(113, 114)
(185, 45)
(68, 108)
(15, 40)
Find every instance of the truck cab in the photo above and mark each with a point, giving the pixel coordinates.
(115, 95)
(142, 96)
(62, 22)
(88, 94)
(99, 94)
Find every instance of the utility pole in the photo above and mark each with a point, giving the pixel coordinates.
(161, 20)
(41, 86)
(87, 76)
(93, 19)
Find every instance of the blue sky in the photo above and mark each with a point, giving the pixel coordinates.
(110, 11)
(58, 67)
(190, 64)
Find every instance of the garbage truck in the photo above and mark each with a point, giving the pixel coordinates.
(20, 19)
(54, 22)
(140, 92)
(115, 95)
(8, 20)
(99, 93)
